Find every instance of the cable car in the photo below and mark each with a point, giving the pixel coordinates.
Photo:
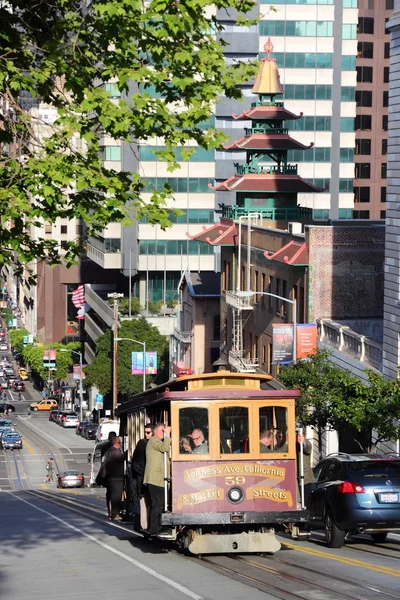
(236, 481)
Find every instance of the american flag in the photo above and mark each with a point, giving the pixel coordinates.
(78, 296)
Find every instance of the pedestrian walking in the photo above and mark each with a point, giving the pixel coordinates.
(50, 471)
(114, 476)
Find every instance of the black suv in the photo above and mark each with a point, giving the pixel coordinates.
(356, 494)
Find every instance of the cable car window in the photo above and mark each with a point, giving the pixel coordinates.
(234, 430)
(193, 430)
(273, 429)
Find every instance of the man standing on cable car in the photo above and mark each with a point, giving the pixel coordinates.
(156, 447)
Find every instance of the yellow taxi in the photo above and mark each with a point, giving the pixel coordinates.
(45, 404)
(23, 374)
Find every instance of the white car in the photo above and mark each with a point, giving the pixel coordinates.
(3, 346)
(71, 421)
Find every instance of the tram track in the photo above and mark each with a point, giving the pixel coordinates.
(287, 586)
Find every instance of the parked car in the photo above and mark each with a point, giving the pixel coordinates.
(5, 405)
(9, 371)
(45, 404)
(356, 494)
(69, 479)
(3, 346)
(18, 385)
(90, 432)
(53, 414)
(11, 440)
(63, 415)
(70, 421)
(4, 384)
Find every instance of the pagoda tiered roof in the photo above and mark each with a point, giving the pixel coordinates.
(268, 111)
(223, 233)
(293, 253)
(267, 141)
(267, 182)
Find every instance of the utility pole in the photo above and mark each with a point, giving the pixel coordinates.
(115, 297)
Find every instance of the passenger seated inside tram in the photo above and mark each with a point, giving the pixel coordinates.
(266, 441)
(185, 445)
(281, 443)
(199, 441)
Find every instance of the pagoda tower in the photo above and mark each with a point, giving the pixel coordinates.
(266, 183)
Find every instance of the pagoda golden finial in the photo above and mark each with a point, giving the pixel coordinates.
(268, 80)
(268, 47)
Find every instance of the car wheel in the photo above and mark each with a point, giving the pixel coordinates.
(379, 537)
(334, 536)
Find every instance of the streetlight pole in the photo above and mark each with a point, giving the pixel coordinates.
(115, 297)
(80, 378)
(144, 355)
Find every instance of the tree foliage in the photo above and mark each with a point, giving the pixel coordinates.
(99, 372)
(335, 398)
(62, 53)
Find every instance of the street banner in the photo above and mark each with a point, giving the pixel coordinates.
(282, 343)
(137, 363)
(306, 341)
(49, 358)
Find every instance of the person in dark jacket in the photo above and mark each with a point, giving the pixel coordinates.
(115, 459)
(139, 459)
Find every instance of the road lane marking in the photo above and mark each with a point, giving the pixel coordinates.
(44, 486)
(352, 562)
(30, 449)
(47, 435)
(174, 584)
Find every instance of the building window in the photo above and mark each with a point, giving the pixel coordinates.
(384, 147)
(348, 63)
(184, 185)
(383, 170)
(148, 153)
(216, 328)
(363, 147)
(385, 75)
(314, 123)
(346, 185)
(365, 25)
(383, 214)
(111, 153)
(363, 122)
(347, 93)
(264, 355)
(361, 194)
(385, 120)
(64, 229)
(360, 214)
(301, 60)
(112, 89)
(48, 229)
(321, 214)
(364, 74)
(363, 98)
(349, 32)
(112, 245)
(345, 213)
(350, 3)
(365, 50)
(385, 99)
(178, 247)
(64, 245)
(270, 291)
(389, 4)
(256, 282)
(301, 28)
(383, 194)
(346, 154)
(387, 49)
(362, 170)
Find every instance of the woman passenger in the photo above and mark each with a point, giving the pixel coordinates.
(185, 445)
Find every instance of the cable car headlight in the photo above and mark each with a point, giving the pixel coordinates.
(235, 495)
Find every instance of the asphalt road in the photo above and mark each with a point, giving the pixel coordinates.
(59, 543)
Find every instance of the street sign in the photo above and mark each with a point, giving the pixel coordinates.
(30, 339)
(99, 398)
(10, 322)
(26, 339)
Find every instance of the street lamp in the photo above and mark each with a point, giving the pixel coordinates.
(117, 339)
(80, 378)
(115, 296)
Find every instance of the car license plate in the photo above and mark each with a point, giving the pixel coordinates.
(389, 498)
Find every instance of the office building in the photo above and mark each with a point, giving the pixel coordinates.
(372, 99)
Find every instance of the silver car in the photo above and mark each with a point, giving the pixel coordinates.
(70, 479)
